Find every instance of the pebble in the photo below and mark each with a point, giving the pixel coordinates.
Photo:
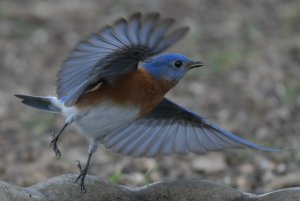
(210, 163)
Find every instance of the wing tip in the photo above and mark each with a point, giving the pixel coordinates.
(135, 14)
(20, 96)
(263, 148)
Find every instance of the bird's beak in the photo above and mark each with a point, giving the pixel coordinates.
(194, 64)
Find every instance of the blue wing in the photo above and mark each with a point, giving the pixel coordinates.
(114, 51)
(169, 129)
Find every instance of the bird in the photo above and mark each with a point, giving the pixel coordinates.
(112, 87)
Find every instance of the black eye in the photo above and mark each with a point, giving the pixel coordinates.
(178, 63)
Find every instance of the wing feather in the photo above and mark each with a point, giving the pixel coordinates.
(126, 148)
(120, 31)
(142, 143)
(193, 143)
(167, 147)
(133, 29)
(147, 29)
(155, 148)
(169, 129)
(160, 30)
(179, 145)
(118, 137)
(138, 138)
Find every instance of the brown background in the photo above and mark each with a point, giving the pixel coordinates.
(250, 87)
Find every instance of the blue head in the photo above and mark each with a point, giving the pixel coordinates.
(171, 67)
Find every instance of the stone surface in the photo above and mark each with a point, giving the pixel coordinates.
(64, 188)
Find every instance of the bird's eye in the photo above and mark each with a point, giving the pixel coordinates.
(178, 63)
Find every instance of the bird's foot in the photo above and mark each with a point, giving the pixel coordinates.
(81, 177)
(53, 144)
(54, 140)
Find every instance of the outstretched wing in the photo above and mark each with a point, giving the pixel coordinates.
(114, 51)
(169, 129)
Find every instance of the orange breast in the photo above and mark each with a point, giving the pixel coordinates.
(134, 89)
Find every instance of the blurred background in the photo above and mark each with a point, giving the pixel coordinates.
(250, 86)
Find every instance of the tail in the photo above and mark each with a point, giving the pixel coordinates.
(42, 103)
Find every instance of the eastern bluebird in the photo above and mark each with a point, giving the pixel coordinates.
(112, 88)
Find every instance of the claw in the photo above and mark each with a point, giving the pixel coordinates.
(81, 176)
(54, 140)
(53, 144)
(78, 164)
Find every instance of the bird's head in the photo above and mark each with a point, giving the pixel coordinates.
(170, 67)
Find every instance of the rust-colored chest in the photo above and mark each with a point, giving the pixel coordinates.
(134, 89)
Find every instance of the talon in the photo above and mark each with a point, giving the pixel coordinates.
(57, 153)
(81, 176)
(83, 173)
(53, 144)
(78, 164)
(82, 189)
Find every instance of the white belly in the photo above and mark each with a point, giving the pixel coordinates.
(103, 119)
(97, 122)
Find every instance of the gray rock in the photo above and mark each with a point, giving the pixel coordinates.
(64, 188)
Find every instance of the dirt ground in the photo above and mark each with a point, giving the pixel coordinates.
(250, 86)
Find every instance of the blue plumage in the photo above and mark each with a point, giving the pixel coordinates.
(163, 66)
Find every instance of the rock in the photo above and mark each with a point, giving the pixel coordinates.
(64, 188)
(289, 179)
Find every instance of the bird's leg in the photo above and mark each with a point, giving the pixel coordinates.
(92, 149)
(83, 173)
(53, 142)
